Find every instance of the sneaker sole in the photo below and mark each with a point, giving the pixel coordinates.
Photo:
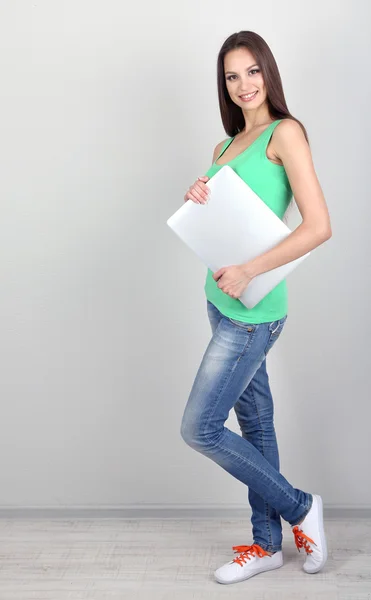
(322, 537)
(219, 580)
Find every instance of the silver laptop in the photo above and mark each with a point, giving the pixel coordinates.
(233, 227)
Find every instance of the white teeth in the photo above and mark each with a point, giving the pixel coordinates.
(248, 95)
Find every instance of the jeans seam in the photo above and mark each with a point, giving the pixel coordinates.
(281, 489)
(269, 547)
(223, 387)
(266, 504)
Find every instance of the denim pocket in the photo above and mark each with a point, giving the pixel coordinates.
(276, 326)
(250, 327)
(275, 329)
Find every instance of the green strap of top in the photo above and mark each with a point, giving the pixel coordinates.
(260, 137)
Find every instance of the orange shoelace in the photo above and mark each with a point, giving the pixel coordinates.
(301, 540)
(247, 552)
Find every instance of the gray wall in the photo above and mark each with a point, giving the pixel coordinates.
(108, 113)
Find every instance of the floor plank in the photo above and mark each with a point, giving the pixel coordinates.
(169, 559)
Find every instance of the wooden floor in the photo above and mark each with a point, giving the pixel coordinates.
(168, 559)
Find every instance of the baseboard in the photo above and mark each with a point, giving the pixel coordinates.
(163, 512)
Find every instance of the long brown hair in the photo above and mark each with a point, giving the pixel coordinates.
(232, 115)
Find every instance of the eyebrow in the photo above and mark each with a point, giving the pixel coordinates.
(248, 68)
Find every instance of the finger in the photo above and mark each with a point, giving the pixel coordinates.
(190, 196)
(198, 197)
(201, 190)
(198, 193)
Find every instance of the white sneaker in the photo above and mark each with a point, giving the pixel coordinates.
(251, 561)
(310, 534)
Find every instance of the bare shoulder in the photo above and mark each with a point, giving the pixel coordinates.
(288, 131)
(288, 138)
(218, 149)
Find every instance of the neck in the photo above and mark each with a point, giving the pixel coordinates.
(256, 118)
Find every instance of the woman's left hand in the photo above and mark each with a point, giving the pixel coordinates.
(233, 280)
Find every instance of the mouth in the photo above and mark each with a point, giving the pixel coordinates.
(248, 97)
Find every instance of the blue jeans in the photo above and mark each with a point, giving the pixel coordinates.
(233, 374)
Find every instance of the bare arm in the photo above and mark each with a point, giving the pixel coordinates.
(292, 148)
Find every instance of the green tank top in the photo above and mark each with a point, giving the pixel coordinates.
(270, 182)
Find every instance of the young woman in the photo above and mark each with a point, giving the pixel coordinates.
(269, 150)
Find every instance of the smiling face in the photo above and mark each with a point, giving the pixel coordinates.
(243, 77)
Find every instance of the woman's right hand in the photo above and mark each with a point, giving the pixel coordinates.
(199, 191)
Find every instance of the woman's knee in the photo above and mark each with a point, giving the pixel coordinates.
(192, 434)
(188, 432)
(198, 438)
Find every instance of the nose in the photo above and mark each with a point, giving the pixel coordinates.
(246, 90)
